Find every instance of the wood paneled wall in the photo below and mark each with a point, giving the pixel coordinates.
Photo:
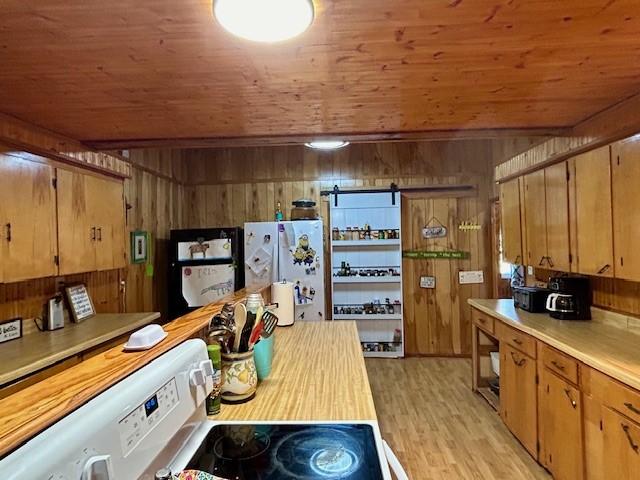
(155, 196)
(231, 186)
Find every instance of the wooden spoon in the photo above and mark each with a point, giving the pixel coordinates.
(240, 317)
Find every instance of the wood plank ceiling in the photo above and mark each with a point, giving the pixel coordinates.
(164, 69)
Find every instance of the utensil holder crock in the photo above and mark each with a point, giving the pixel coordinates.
(239, 377)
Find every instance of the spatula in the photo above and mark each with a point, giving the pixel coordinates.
(270, 321)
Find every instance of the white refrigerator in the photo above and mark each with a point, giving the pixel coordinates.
(292, 252)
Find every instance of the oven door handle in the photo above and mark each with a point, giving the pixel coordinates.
(394, 463)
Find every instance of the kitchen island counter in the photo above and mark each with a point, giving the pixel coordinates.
(318, 374)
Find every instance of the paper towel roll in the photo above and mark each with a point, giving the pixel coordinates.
(282, 294)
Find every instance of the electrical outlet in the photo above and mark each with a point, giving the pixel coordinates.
(529, 270)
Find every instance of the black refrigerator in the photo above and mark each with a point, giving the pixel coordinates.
(205, 265)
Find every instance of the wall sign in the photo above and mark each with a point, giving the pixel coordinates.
(443, 255)
(434, 229)
(80, 304)
(10, 329)
(473, 276)
(427, 282)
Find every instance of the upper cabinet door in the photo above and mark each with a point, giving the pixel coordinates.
(534, 200)
(625, 168)
(594, 231)
(76, 233)
(28, 219)
(511, 224)
(557, 215)
(107, 208)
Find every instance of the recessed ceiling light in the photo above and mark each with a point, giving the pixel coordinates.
(327, 144)
(264, 20)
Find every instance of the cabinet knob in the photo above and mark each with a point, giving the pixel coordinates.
(93, 233)
(567, 392)
(604, 269)
(99, 234)
(8, 225)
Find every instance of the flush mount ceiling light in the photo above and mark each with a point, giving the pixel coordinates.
(264, 20)
(327, 144)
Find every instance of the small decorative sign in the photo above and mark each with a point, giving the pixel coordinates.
(469, 226)
(427, 282)
(139, 240)
(469, 277)
(434, 229)
(80, 303)
(440, 255)
(10, 329)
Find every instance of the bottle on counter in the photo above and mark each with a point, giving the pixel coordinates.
(279, 215)
(213, 400)
(164, 474)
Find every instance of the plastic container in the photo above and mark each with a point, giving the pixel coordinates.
(145, 338)
(495, 363)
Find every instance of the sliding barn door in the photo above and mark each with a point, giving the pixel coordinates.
(438, 320)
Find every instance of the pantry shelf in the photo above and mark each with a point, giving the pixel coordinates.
(358, 316)
(366, 243)
(387, 279)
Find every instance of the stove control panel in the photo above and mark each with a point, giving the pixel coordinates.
(141, 420)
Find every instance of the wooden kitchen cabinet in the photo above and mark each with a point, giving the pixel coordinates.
(621, 446)
(594, 223)
(560, 425)
(107, 209)
(518, 396)
(511, 221)
(91, 209)
(557, 212)
(536, 228)
(27, 217)
(625, 173)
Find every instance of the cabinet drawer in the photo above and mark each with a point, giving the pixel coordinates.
(483, 321)
(559, 363)
(517, 339)
(612, 393)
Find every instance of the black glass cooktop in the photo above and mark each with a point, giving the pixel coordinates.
(269, 452)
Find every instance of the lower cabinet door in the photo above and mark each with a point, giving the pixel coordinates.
(560, 421)
(621, 446)
(518, 398)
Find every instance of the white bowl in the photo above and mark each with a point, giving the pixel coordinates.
(146, 338)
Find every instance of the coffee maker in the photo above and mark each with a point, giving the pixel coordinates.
(570, 298)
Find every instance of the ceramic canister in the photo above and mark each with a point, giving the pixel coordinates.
(239, 377)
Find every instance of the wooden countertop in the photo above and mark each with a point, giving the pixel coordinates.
(318, 374)
(33, 409)
(612, 350)
(35, 351)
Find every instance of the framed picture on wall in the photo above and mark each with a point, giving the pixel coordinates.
(80, 304)
(139, 246)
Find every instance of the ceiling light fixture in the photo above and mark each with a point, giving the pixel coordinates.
(327, 144)
(264, 20)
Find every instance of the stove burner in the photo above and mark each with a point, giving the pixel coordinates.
(244, 447)
(318, 453)
(334, 463)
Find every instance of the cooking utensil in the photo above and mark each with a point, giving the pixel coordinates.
(270, 322)
(240, 318)
(255, 334)
(246, 332)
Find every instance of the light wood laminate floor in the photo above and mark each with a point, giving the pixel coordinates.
(439, 428)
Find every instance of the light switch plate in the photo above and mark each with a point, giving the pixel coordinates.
(427, 282)
(529, 270)
(472, 276)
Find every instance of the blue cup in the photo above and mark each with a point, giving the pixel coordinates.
(263, 355)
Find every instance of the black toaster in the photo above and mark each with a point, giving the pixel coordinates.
(531, 299)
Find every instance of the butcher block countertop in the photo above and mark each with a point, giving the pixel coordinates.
(29, 411)
(612, 350)
(38, 350)
(318, 373)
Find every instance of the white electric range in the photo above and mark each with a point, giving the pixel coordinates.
(156, 418)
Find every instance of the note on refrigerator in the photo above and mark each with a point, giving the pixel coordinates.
(205, 249)
(202, 285)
